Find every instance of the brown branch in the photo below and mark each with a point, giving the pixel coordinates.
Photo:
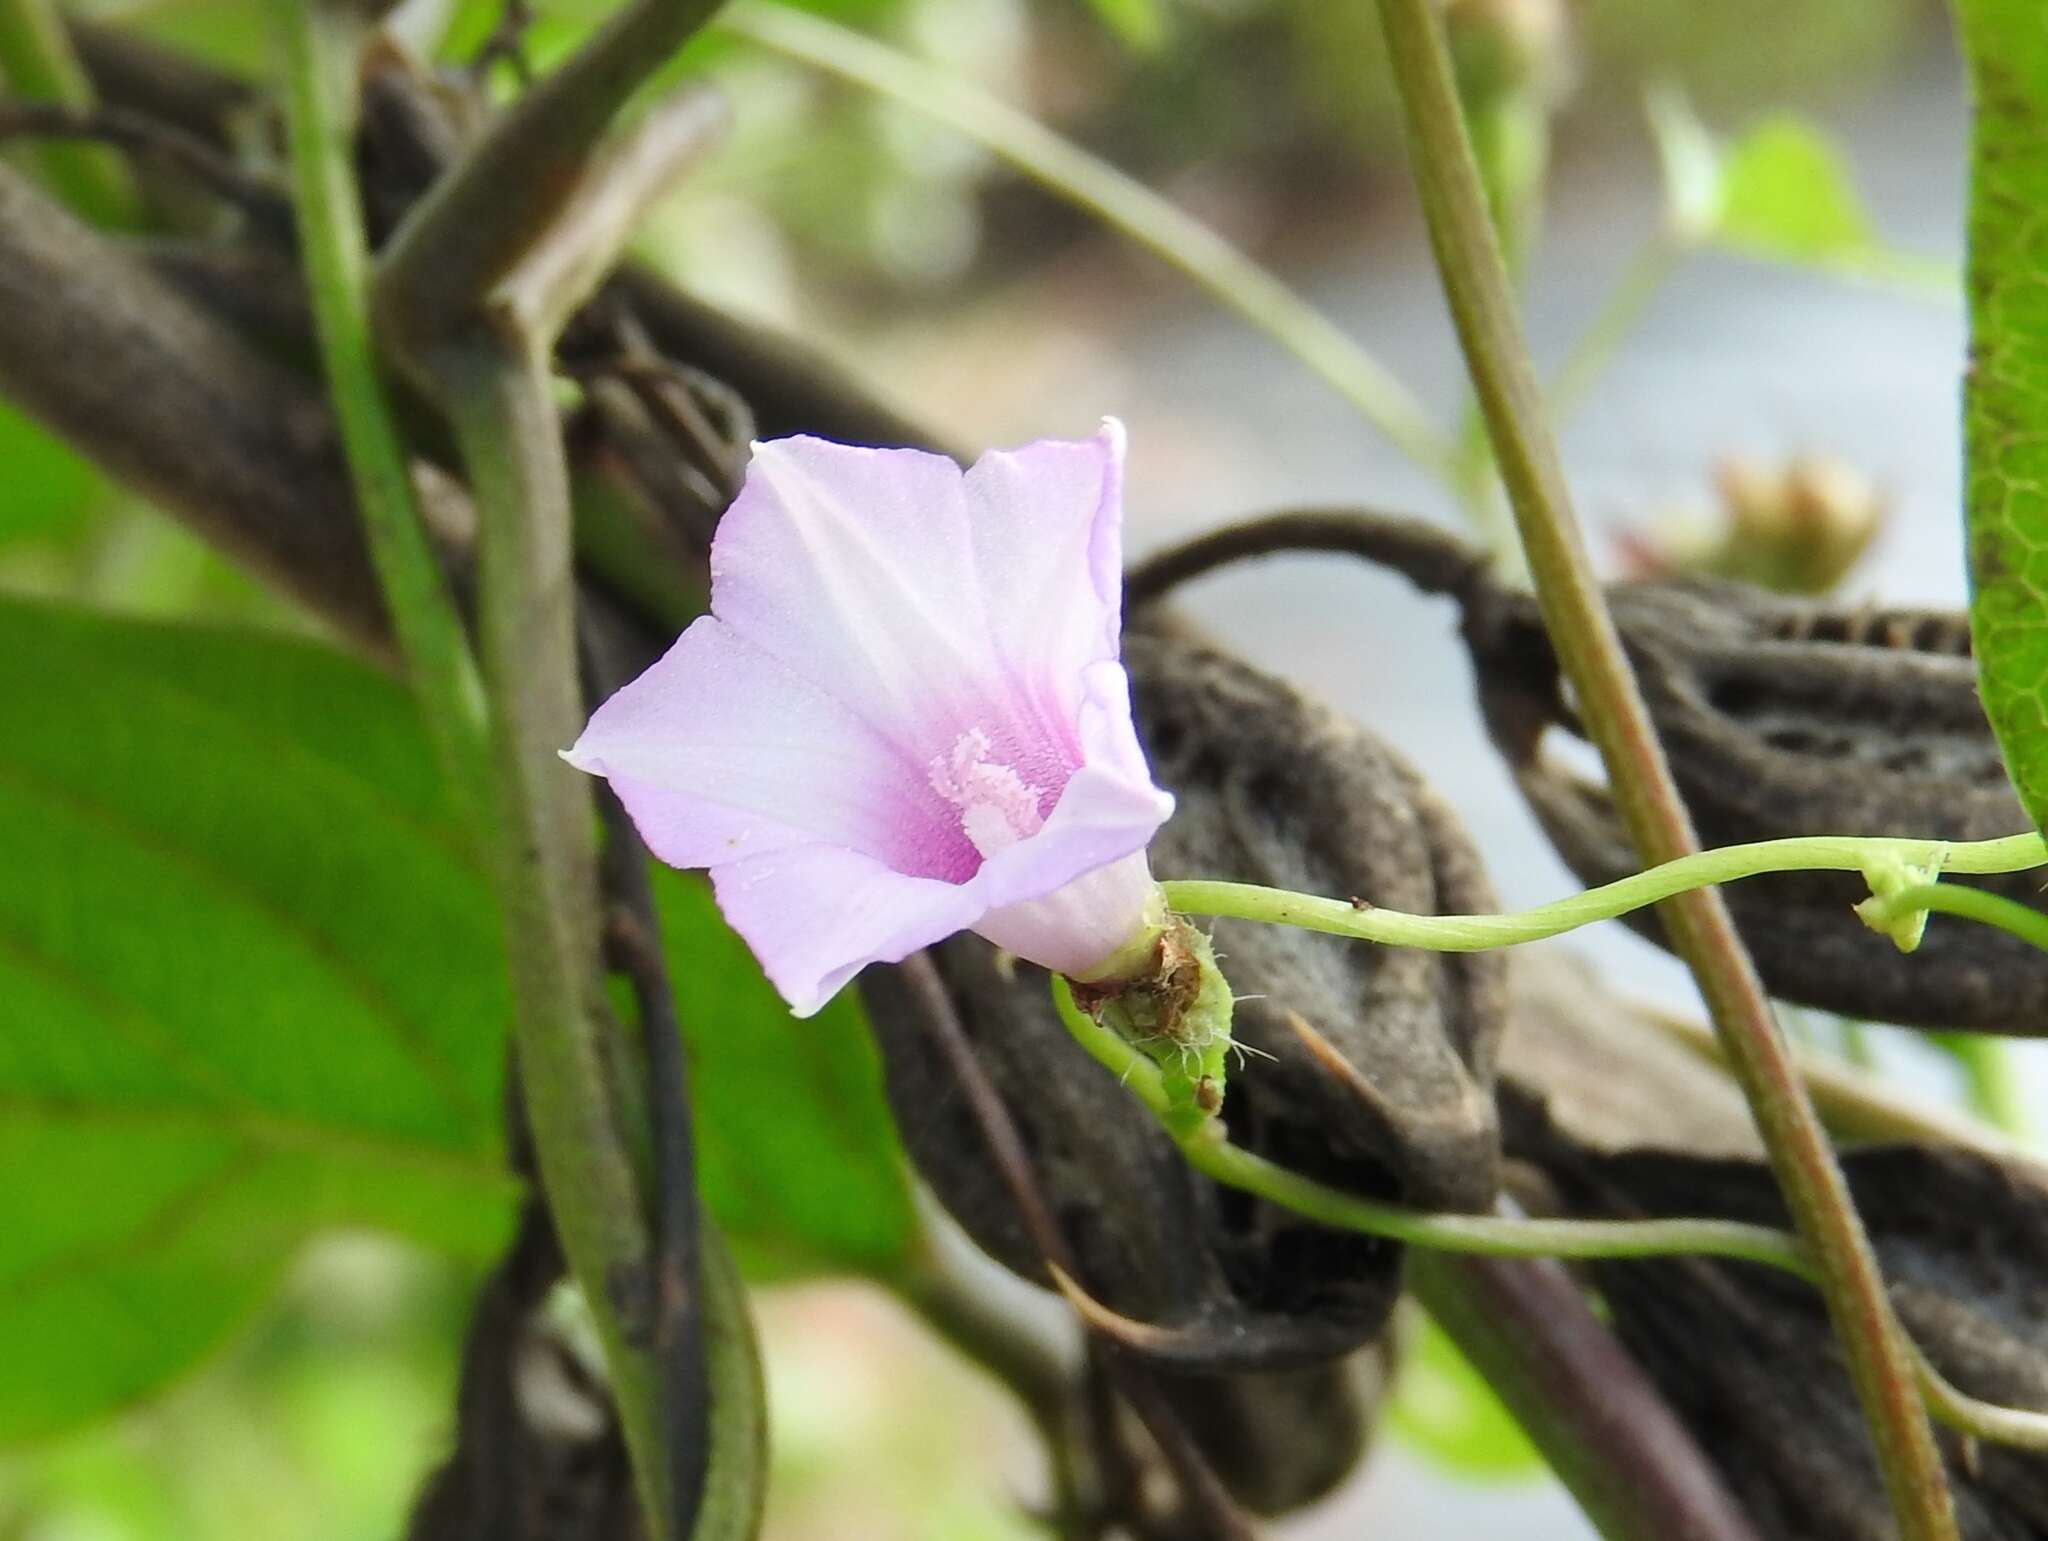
(171, 402)
(1434, 560)
(151, 141)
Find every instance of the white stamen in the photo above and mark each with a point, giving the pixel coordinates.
(997, 806)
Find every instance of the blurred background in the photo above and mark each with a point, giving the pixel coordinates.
(1767, 277)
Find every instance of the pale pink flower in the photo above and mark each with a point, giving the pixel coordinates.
(904, 716)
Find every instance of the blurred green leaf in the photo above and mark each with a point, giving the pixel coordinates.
(45, 489)
(1787, 193)
(233, 34)
(1690, 161)
(1140, 23)
(1783, 192)
(2005, 389)
(253, 987)
(797, 1155)
(1445, 1409)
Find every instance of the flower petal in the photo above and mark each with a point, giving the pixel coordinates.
(720, 752)
(1076, 926)
(925, 601)
(816, 915)
(1048, 536)
(1089, 856)
(853, 568)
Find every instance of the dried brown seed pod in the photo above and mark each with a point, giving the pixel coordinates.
(1615, 1121)
(1786, 717)
(1745, 1353)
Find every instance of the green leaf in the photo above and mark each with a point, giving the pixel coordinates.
(1787, 193)
(2005, 389)
(252, 986)
(797, 1155)
(1140, 23)
(45, 488)
(1445, 1409)
(250, 989)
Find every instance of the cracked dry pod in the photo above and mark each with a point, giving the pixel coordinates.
(1786, 717)
(1745, 1355)
(1260, 1314)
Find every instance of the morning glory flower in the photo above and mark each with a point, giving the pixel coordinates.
(904, 716)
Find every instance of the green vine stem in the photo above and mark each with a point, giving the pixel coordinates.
(1147, 219)
(1990, 909)
(37, 62)
(1575, 613)
(1358, 919)
(1209, 1152)
(322, 44)
(570, 1054)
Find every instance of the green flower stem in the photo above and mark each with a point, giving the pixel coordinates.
(38, 62)
(1726, 864)
(1985, 1062)
(1590, 653)
(1208, 1151)
(2029, 925)
(321, 46)
(2015, 1426)
(1125, 205)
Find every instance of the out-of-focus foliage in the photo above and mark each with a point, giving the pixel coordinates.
(1445, 1410)
(1735, 53)
(254, 989)
(2006, 45)
(48, 489)
(317, 1427)
(1782, 191)
(1786, 192)
(251, 989)
(796, 1154)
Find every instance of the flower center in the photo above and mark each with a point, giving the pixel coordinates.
(997, 806)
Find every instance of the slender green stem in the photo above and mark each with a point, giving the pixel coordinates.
(1726, 864)
(1984, 1061)
(2009, 915)
(2018, 1427)
(1485, 1235)
(1126, 205)
(504, 418)
(1209, 1152)
(38, 62)
(321, 48)
(1590, 652)
(507, 198)
(736, 1474)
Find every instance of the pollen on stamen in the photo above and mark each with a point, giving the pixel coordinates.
(997, 806)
